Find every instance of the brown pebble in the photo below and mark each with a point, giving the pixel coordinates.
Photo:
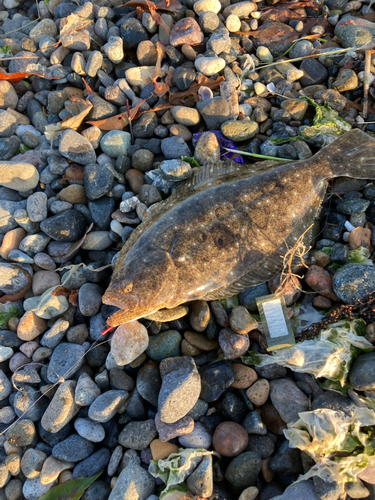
(370, 333)
(233, 344)
(230, 439)
(75, 193)
(322, 302)
(207, 148)
(124, 219)
(186, 32)
(201, 341)
(188, 349)
(360, 237)
(162, 450)
(258, 392)
(179, 130)
(272, 419)
(13, 324)
(31, 326)
(199, 315)
(219, 312)
(11, 241)
(268, 475)
(320, 259)
(291, 288)
(244, 376)
(241, 320)
(321, 281)
(136, 179)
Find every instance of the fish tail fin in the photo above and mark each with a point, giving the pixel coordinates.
(351, 155)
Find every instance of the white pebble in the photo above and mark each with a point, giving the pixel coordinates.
(233, 23)
(264, 54)
(259, 88)
(246, 109)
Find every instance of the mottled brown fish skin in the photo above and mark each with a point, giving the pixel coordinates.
(231, 232)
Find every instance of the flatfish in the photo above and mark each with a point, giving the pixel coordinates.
(227, 229)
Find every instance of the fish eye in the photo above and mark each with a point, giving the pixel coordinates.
(128, 288)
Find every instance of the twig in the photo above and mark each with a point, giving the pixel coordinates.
(311, 56)
(130, 120)
(366, 82)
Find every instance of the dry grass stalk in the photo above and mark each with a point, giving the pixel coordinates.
(297, 252)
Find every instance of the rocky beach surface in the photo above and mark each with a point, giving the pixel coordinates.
(105, 109)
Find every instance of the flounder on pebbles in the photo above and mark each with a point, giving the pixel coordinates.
(227, 229)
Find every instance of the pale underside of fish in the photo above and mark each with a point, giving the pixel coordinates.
(228, 228)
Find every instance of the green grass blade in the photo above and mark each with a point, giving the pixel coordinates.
(254, 155)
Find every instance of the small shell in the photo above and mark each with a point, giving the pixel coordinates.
(205, 93)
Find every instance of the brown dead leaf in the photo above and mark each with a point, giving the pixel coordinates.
(160, 50)
(72, 122)
(169, 5)
(176, 98)
(117, 122)
(73, 298)
(75, 121)
(61, 291)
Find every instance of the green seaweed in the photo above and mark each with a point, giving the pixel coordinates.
(326, 123)
(190, 159)
(5, 316)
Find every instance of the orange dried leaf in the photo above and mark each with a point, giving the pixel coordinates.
(160, 51)
(176, 98)
(18, 77)
(169, 5)
(117, 122)
(88, 88)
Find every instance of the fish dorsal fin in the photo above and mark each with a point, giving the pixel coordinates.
(209, 175)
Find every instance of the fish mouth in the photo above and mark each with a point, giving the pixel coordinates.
(130, 302)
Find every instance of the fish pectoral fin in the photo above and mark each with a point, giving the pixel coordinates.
(165, 315)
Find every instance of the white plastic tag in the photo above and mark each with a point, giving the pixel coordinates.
(274, 314)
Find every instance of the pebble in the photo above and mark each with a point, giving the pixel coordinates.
(215, 379)
(186, 31)
(230, 439)
(133, 480)
(241, 321)
(239, 131)
(288, 399)
(244, 469)
(233, 344)
(164, 345)
(198, 438)
(362, 375)
(76, 148)
(209, 65)
(180, 389)
(92, 431)
(61, 409)
(138, 435)
(128, 342)
(258, 392)
(106, 405)
(18, 176)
